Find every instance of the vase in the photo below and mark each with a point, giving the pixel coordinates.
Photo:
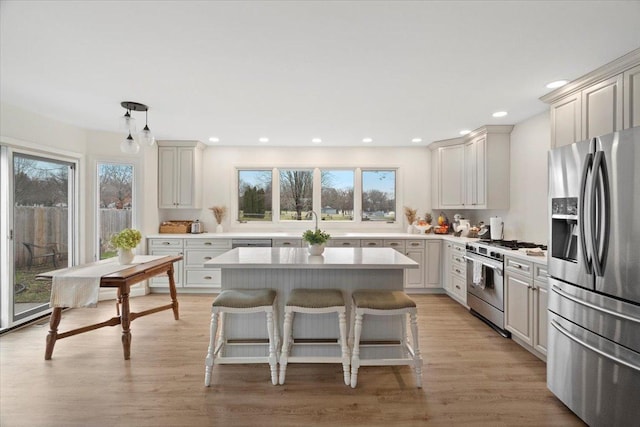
(316, 249)
(125, 256)
(219, 228)
(410, 228)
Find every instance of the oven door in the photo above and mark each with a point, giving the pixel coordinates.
(493, 291)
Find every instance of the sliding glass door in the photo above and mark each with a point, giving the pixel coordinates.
(41, 228)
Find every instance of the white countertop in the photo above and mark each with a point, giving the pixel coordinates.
(297, 258)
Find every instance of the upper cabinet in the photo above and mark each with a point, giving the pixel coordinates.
(603, 101)
(180, 174)
(472, 172)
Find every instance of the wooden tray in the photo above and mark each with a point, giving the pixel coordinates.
(175, 227)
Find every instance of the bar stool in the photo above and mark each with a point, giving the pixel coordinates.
(384, 303)
(243, 301)
(314, 301)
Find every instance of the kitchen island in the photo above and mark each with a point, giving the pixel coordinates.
(284, 269)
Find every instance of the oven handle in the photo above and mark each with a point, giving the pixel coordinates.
(493, 267)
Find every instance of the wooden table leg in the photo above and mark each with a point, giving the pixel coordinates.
(172, 291)
(125, 321)
(53, 332)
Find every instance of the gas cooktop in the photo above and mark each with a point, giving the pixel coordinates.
(511, 244)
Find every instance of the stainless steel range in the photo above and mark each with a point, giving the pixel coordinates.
(485, 279)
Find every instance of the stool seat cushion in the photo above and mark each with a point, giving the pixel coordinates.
(382, 300)
(315, 298)
(245, 298)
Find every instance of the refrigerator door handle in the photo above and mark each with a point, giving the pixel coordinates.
(595, 307)
(611, 357)
(601, 190)
(588, 162)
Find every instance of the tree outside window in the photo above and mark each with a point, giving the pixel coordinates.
(379, 195)
(337, 195)
(296, 194)
(254, 195)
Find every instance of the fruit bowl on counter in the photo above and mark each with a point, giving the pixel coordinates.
(443, 229)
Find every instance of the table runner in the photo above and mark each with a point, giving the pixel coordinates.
(79, 286)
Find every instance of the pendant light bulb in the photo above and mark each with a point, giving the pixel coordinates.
(128, 123)
(145, 134)
(129, 145)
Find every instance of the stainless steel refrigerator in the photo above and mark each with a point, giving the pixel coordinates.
(593, 355)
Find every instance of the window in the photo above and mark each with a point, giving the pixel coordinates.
(379, 195)
(337, 195)
(296, 194)
(254, 195)
(115, 204)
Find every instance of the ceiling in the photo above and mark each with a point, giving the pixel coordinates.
(296, 70)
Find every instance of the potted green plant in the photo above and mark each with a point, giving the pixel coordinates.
(124, 242)
(316, 240)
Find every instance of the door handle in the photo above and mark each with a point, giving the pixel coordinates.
(601, 190)
(588, 162)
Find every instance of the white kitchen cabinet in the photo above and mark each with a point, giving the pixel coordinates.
(166, 247)
(179, 174)
(454, 273)
(190, 273)
(196, 253)
(451, 177)
(631, 97)
(600, 102)
(414, 278)
(566, 120)
(432, 264)
(473, 172)
(602, 108)
(287, 243)
(526, 304)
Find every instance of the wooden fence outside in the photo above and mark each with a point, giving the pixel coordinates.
(44, 225)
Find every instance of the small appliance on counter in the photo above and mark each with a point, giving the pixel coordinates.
(196, 227)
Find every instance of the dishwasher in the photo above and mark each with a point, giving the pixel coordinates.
(250, 243)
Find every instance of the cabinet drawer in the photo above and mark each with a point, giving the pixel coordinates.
(540, 272)
(371, 243)
(165, 243)
(395, 244)
(458, 249)
(208, 243)
(458, 269)
(287, 243)
(346, 243)
(517, 266)
(197, 257)
(414, 244)
(457, 258)
(204, 278)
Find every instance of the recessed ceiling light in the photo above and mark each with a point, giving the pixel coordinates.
(416, 140)
(465, 132)
(214, 139)
(367, 140)
(316, 140)
(263, 139)
(557, 84)
(499, 114)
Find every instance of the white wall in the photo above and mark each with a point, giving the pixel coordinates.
(526, 218)
(219, 186)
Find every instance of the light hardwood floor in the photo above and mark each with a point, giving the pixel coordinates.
(472, 376)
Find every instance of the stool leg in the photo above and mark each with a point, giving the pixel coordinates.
(342, 320)
(417, 358)
(286, 344)
(352, 318)
(355, 358)
(210, 351)
(273, 359)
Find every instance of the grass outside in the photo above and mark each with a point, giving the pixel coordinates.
(29, 290)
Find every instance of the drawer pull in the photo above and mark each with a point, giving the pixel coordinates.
(286, 243)
(458, 271)
(346, 244)
(457, 286)
(207, 257)
(415, 244)
(393, 244)
(207, 277)
(371, 244)
(207, 243)
(166, 243)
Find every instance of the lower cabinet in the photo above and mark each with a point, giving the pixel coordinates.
(526, 292)
(427, 254)
(454, 273)
(190, 273)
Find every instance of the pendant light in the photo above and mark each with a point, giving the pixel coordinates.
(130, 145)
